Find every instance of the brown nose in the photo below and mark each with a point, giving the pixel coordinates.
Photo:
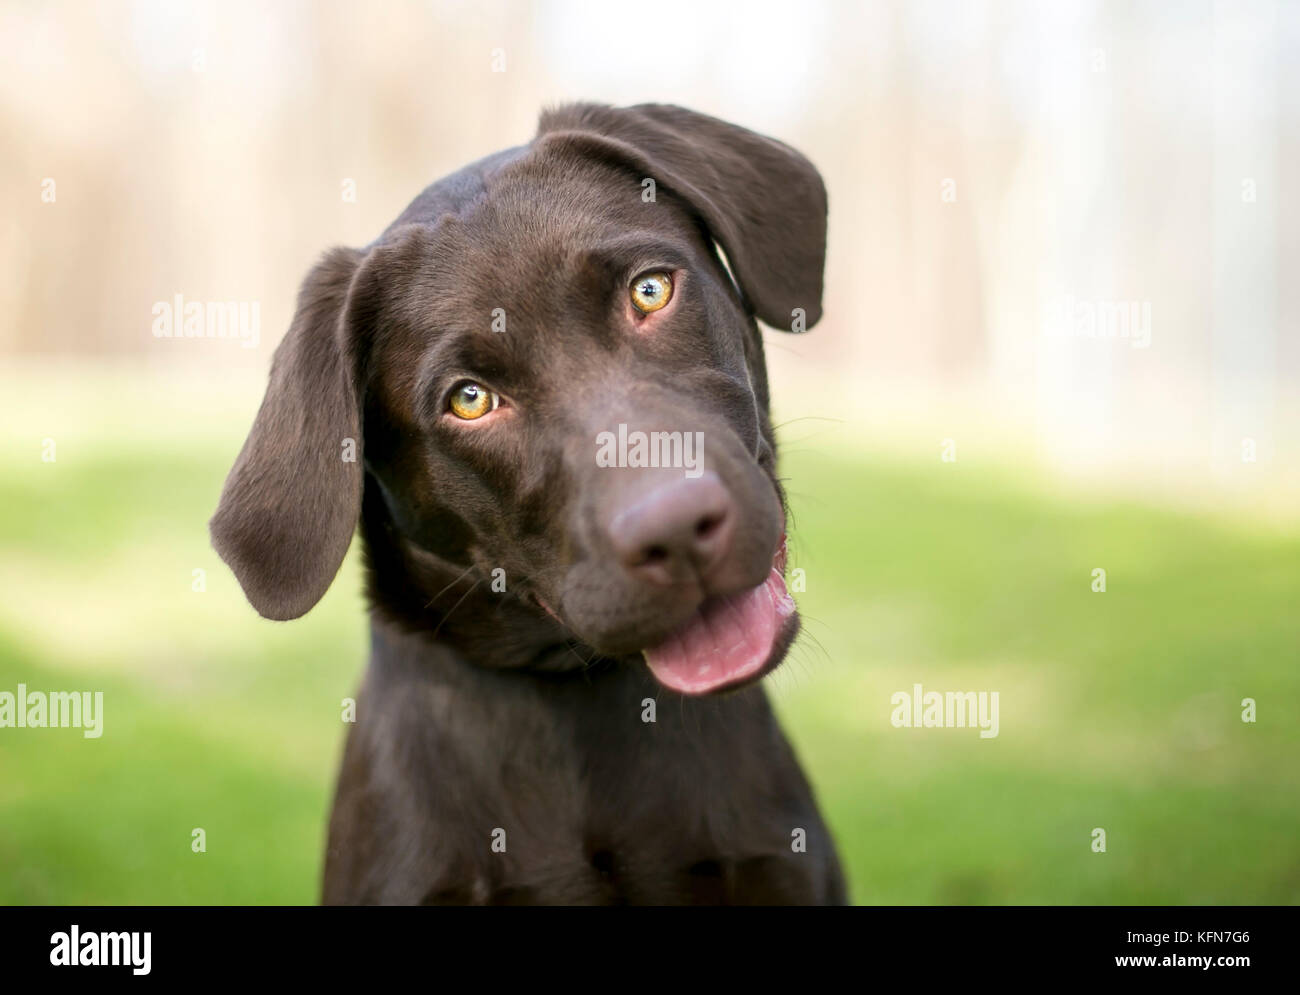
(679, 530)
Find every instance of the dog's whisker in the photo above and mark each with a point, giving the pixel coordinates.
(459, 602)
(791, 421)
(808, 643)
(463, 573)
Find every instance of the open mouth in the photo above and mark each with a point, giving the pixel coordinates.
(729, 641)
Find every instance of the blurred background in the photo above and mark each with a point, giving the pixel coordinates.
(1062, 333)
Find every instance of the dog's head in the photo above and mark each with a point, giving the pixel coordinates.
(543, 393)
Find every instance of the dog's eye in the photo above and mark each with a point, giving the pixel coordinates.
(472, 400)
(651, 292)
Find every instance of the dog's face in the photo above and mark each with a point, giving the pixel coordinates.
(557, 394)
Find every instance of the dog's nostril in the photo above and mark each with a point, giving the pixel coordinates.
(654, 554)
(707, 525)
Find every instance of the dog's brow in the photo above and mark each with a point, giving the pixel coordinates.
(635, 249)
(485, 355)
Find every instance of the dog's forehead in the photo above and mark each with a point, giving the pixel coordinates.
(510, 267)
(546, 213)
(537, 235)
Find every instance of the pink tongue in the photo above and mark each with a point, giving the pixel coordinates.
(728, 640)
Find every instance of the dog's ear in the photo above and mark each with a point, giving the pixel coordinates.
(760, 199)
(292, 499)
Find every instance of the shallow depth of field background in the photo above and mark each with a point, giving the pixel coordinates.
(985, 162)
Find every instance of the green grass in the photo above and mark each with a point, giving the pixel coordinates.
(1118, 710)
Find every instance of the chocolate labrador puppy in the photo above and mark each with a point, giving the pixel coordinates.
(541, 395)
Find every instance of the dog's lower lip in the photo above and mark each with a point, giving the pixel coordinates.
(730, 641)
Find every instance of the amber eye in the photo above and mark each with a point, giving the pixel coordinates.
(472, 400)
(651, 292)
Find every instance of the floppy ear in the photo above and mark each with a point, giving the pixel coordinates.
(291, 501)
(761, 200)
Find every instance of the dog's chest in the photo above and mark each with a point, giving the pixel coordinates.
(502, 792)
(629, 799)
